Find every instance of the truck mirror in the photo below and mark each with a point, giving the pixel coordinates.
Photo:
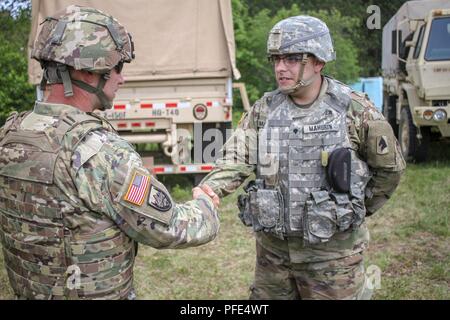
(394, 42)
(409, 44)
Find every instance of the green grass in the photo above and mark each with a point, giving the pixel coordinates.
(409, 243)
(221, 269)
(410, 234)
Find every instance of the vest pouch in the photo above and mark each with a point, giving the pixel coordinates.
(359, 212)
(360, 177)
(252, 211)
(344, 211)
(244, 210)
(320, 218)
(268, 207)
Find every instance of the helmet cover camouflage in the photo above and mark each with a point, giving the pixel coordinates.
(83, 38)
(301, 34)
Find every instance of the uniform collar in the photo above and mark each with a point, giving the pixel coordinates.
(53, 109)
(323, 87)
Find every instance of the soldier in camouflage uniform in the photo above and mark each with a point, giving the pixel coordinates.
(325, 159)
(75, 198)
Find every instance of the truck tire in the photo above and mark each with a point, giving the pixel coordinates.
(412, 148)
(198, 178)
(389, 105)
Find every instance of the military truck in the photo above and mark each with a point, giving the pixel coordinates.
(416, 75)
(176, 104)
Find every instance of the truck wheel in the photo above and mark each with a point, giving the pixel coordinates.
(389, 105)
(198, 178)
(413, 149)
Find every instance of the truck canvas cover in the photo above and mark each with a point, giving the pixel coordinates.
(411, 10)
(197, 42)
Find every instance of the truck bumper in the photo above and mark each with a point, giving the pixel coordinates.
(433, 117)
(183, 168)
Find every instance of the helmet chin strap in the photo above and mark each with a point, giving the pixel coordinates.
(301, 82)
(59, 73)
(98, 91)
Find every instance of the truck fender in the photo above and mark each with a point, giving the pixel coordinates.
(412, 100)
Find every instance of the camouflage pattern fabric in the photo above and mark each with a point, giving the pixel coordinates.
(366, 127)
(74, 201)
(239, 152)
(278, 278)
(83, 38)
(300, 141)
(301, 34)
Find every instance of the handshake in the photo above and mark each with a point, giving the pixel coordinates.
(206, 190)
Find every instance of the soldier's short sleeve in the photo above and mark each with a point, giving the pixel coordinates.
(111, 179)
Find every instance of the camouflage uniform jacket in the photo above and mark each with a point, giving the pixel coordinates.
(75, 197)
(239, 162)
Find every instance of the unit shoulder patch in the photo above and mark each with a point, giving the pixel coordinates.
(159, 200)
(382, 145)
(145, 195)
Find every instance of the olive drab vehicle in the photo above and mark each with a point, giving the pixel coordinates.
(416, 75)
(179, 86)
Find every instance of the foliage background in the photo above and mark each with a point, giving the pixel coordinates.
(15, 91)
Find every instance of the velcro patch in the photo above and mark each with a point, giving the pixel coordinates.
(313, 128)
(138, 188)
(159, 200)
(275, 38)
(87, 149)
(382, 145)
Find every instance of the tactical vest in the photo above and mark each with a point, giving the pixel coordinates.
(296, 198)
(54, 247)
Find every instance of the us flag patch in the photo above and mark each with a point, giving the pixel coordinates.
(137, 191)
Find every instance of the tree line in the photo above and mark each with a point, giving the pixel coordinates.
(358, 48)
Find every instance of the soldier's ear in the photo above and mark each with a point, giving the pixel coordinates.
(85, 76)
(318, 64)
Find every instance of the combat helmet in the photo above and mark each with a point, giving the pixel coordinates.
(85, 39)
(301, 35)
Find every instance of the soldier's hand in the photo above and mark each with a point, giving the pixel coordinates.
(205, 189)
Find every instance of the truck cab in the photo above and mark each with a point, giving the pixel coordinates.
(416, 72)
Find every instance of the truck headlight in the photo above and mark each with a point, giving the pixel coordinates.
(440, 115)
